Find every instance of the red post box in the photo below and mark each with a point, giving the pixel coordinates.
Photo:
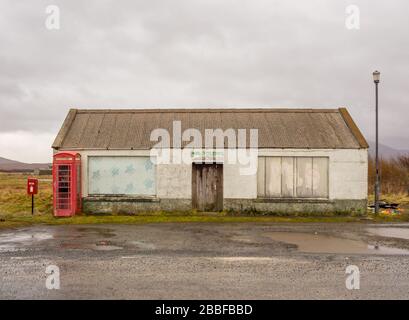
(32, 189)
(32, 186)
(67, 183)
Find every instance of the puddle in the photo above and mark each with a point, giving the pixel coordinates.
(143, 245)
(318, 243)
(240, 259)
(241, 239)
(9, 242)
(100, 246)
(10, 248)
(105, 246)
(24, 237)
(393, 232)
(71, 245)
(103, 232)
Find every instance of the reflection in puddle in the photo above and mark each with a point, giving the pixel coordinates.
(10, 248)
(401, 233)
(71, 245)
(242, 239)
(10, 242)
(24, 237)
(143, 245)
(241, 259)
(103, 232)
(317, 243)
(107, 247)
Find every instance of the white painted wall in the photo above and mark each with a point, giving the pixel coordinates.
(236, 185)
(348, 169)
(174, 181)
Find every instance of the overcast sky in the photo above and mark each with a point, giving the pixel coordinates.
(189, 53)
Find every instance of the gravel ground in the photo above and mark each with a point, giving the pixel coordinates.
(205, 261)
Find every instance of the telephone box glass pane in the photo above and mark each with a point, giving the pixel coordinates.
(78, 186)
(64, 187)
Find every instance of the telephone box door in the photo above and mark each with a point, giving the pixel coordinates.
(66, 184)
(64, 190)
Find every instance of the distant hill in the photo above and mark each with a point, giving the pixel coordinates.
(17, 166)
(5, 161)
(386, 151)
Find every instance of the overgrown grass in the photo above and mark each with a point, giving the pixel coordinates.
(11, 221)
(25, 220)
(14, 198)
(401, 198)
(394, 174)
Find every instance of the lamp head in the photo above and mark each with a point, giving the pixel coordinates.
(376, 76)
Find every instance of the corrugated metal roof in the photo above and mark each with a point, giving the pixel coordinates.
(277, 128)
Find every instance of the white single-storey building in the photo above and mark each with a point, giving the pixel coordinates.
(258, 160)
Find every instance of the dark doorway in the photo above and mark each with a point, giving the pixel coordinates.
(207, 186)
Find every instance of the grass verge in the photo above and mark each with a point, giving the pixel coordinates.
(14, 221)
(19, 221)
(13, 194)
(15, 206)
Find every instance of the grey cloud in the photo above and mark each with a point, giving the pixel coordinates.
(187, 53)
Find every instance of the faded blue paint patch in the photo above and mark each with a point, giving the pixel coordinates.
(148, 164)
(129, 188)
(130, 169)
(115, 171)
(96, 175)
(148, 183)
(121, 175)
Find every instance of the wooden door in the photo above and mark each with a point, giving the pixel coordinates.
(207, 186)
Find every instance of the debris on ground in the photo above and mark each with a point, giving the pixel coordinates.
(392, 212)
(387, 208)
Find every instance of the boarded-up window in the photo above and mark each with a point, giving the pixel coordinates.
(304, 177)
(288, 177)
(273, 177)
(121, 176)
(320, 177)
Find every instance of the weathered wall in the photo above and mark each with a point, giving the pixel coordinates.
(174, 181)
(348, 169)
(134, 206)
(238, 186)
(347, 176)
(84, 162)
(296, 206)
(347, 182)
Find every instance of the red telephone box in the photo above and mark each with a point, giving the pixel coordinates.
(67, 183)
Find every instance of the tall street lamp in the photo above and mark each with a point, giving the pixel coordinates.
(376, 77)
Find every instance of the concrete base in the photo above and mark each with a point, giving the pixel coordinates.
(296, 206)
(132, 205)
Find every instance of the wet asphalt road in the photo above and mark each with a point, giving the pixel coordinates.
(206, 261)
